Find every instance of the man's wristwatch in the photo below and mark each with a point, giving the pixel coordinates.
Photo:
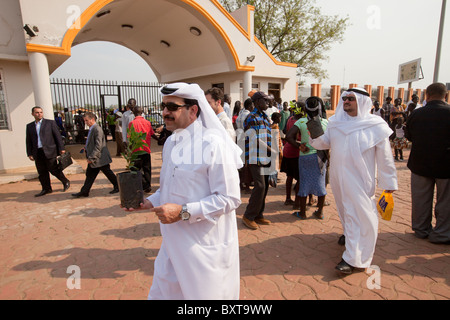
(184, 214)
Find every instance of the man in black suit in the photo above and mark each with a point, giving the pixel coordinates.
(428, 128)
(98, 157)
(44, 144)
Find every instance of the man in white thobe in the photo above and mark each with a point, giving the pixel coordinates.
(199, 192)
(359, 143)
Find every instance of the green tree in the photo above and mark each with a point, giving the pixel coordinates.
(295, 31)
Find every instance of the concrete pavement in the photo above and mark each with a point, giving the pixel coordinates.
(41, 238)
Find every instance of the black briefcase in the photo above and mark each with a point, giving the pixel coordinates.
(64, 160)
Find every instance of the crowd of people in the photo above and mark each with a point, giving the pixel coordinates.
(245, 150)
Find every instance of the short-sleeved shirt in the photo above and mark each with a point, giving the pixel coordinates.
(257, 127)
(301, 124)
(142, 125)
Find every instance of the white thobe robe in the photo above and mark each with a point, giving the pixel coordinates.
(353, 183)
(199, 258)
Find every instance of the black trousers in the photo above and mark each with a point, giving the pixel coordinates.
(257, 201)
(91, 175)
(144, 164)
(46, 166)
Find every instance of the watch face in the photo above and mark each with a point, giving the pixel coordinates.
(185, 215)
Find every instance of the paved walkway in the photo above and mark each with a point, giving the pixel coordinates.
(115, 250)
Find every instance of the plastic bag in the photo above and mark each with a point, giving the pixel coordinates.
(385, 205)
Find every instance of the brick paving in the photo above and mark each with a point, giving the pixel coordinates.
(115, 250)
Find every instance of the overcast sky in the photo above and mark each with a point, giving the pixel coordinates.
(383, 34)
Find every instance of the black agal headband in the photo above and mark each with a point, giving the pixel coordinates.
(359, 91)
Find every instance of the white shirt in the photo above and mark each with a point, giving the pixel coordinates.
(227, 124)
(127, 117)
(227, 109)
(38, 130)
(269, 113)
(241, 118)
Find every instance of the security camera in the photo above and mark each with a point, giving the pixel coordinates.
(251, 58)
(31, 31)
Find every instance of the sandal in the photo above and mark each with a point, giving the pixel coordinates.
(318, 215)
(301, 216)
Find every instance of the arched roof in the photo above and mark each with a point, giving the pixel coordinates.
(144, 26)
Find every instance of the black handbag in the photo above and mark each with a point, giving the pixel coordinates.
(64, 160)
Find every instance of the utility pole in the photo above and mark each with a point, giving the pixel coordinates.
(439, 46)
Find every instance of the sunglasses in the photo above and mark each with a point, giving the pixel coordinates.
(349, 99)
(172, 106)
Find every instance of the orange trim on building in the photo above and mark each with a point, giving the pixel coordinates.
(71, 33)
(238, 26)
(224, 35)
(284, 64)
(69, 37)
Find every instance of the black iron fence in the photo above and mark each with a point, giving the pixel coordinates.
(73, 97)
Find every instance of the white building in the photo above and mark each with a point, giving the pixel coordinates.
(181, 40)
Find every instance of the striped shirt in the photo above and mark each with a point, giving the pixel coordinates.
(258, 136)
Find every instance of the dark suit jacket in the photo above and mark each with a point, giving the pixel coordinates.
(428, 128)
(96, 148)
(52, 143)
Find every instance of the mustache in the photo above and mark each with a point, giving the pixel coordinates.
(168, 118)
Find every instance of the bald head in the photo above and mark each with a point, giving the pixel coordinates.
(436, 91)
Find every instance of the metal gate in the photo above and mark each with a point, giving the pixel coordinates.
(73, 97)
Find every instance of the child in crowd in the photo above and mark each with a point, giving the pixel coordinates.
(400, 142)
(276, 119)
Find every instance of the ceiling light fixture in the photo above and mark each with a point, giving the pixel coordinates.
(165, 43)
(195, 31)
(145, 52)
(127, 26)
(101, 14)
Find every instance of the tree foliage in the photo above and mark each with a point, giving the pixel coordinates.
(295, 31)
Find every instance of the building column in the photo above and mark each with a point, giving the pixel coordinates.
(353, 85)
(41, 83)
(247, 86)
(368, 88)
(391, 92)
(380, 95)
(316, 90)
(419, 94)
(410, 93)
(401, 94)
(335, 95)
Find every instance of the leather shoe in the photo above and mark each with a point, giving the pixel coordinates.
(80, 194)
(115, 190)
(262, 221)
(43, 192)
(344, 267)
(66, 186)
(249, 224)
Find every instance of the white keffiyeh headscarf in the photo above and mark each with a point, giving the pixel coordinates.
(362, 132)
(209, 119)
